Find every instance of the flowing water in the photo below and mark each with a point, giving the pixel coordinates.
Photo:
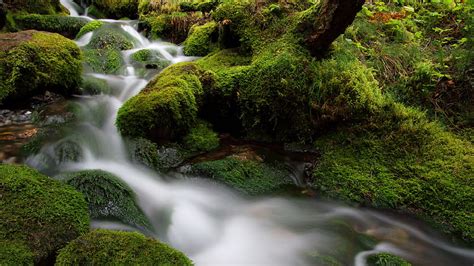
(216, 226)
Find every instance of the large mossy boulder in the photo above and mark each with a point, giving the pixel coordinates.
(114, 9)
(47, 7)
(107, 196)
(38, 212)
(15, 253)
(32, 62)
(400, 160)
(106, 247)
(202, 39)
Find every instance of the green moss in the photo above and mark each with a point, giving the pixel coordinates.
(110, 37)
(401, 161)
(91, 26)
(386, 259)
(167, 107)
(249, 177)
(150, 59)
(101, 247)
(64, 25)
(201, 138)
(108, 61)
(107, 196)
(201, 39)
(34, 6)
(161, 158)
(93, 86)
(39, 212)
(173, 27)
(15, 253)
(32, 62)
(118, 8)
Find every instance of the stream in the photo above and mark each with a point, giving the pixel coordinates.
(215, 225)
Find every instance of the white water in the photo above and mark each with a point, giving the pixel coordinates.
(216, 226)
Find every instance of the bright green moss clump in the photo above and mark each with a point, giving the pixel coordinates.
(401, 161)
(32, 62)
(247, 176)
(167, 107)
(107, 196)
(91, 26)
(104, 247)
(118, 8)
(39, 212)
(201, 138)
(15, 253)
(386, 259)
(201, 39)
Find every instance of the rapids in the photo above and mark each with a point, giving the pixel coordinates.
(214, 225)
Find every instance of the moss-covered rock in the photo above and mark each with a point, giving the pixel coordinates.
(202, 39)
(32, 62)
(107, 196)
(386, 259)
(119, 248)
(107, 61)
(94, 86)
(247, 176)
(39, 212)
(34, 6)
(160, 158)
(64, 25)
(110, 37)
(175, 93)
(400, 160)
(150, 59)
(91, 26)
(15, 253)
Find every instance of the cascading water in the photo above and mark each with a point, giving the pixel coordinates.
(215, 226)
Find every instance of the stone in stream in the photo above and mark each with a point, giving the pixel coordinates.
(33, 62)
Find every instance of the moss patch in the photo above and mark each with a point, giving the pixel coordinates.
(15, 253)
(107, 196)
(101, 247)
(386, 259)
(91, 26)
(32, 62)
(201, 40)
(39, 212)
(64, 25)
(201, 138)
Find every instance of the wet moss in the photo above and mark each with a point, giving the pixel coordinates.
(150, 59)
(386, 259)
(247, 176)
(175, 93)
(47, 7)
(33, 62)
(201, 138)
(91, 26)
(118, 8)
(15, 253)
(107, 196)
(201, 40)
(173, 26)
(110, 37)
(94, 86)
(119, 248)
(107, 61)
(39, 212)
(64, 25)
(400, 160)
(159, 158)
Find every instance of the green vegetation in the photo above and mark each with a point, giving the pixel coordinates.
(64, 25)
(107, 196)
(173, 27)
(161, 158)
(150, 59)
(93, 86)
(15, 253)
(118, 8)
(201, 39)
(47, 7)
(32, 62)
(38, 212)
(91, 26)
(201, 138)
(248, 176)
(103, 247)
(386, 259)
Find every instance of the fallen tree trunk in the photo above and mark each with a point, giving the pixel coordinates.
(324, 22)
